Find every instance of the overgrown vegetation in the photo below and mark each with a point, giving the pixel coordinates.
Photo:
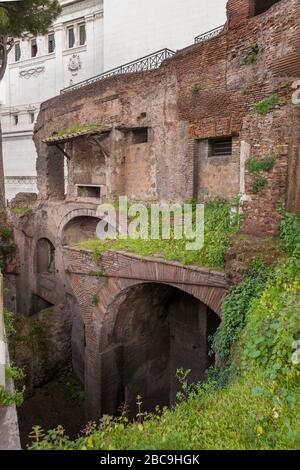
(257, 406)
(259, 184)
(251, 55)
(219, 225)
(290, 233)
(195, 90)
(235, 309)
(77, 129)
(13, 397)
(7, 246)
(255, 165)
(266, 105)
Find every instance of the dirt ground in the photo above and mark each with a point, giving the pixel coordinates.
(59, 402)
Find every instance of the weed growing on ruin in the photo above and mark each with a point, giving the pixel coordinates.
(218, 228)
(77, 129)
(244, 90)
(7, 246)
(186, 388)
(251, 55)
(14, 373)
(195, 90)
(5, 235)
(255, 165)
(73, 392)
(9, 323)
(21, 210)
(13, 397)
(266, 105)
(259, 184)
(236, 307)
(8, 398)
(290, 233)
(95, 300)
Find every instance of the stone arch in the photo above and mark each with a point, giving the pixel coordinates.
(79, 229)
(149, 331)
(79, 226)
(72, 215)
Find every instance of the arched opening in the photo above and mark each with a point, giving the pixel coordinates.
(150, 332)
(45, 256)
(260, 6)
(80, 229)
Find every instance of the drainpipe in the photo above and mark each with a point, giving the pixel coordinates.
(2, 337)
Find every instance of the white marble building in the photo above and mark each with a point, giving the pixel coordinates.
(89, 37)
(38, 69)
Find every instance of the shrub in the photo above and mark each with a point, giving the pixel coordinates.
(11, 398)
(5, 235)
(236, 306)
(9, 323)
(255, 165)
(290, 233)
(259, 184)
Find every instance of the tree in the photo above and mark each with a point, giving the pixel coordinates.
(20, 18)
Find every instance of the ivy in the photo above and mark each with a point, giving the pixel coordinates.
(290, 233)
(236, 306)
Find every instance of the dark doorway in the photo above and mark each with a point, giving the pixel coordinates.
(260, 6)
(157, 329)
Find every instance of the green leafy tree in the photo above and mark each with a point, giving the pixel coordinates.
(21, 18)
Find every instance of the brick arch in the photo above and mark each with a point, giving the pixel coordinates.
(110, 279)
(73, 214)
(115, 292)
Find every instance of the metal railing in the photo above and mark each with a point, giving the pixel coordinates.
(149, 62)
(210, 34)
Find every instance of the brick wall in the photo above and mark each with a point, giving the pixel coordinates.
(207, 90)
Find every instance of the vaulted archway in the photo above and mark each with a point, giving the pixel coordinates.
(150, 331)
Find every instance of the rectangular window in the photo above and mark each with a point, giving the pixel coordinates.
(82, 34)
(89, 191)
(15, 119)
(140, 136)
(34, 48)
(51, 43)
(220, 147)
(71, 37)
(31, 117)
(17, 52)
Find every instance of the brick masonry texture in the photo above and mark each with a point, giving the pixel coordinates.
(205, 91)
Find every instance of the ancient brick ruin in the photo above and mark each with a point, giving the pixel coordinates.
(158, 138)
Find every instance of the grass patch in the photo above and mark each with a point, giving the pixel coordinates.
(218, 229)
(78, 128)
(266, 105)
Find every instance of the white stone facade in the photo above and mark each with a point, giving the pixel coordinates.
(30, 80)
(103, 34)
